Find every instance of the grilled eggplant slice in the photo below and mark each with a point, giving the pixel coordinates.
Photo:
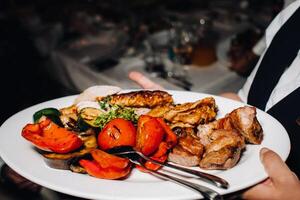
(89, 115)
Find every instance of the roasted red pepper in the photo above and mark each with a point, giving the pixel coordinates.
(152, 166)
(160, 155)
(154, 139)
(149, 134)
(48, 136)
(171, 137)
(106, 166)
(106, 160)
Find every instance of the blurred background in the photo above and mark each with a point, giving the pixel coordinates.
(54, 48)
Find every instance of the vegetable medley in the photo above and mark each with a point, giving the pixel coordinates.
(101, 119)
(66, 138)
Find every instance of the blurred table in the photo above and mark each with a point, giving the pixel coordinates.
(212, 79)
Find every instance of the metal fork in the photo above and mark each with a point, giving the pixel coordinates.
(127, 151)
(204, 191)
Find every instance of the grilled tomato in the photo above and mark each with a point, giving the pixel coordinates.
(117, 132)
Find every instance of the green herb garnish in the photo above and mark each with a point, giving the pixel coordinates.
(114, 111)
(104, 104)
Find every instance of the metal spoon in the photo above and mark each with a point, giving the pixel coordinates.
(205, 191)
(127, 151)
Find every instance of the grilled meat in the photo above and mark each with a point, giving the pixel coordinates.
(188, 114)
(222, 138)
(182, 157)
(225, 138)
(189, 150)
(244, 120)
(225, 158)
(148, 99)
(205, 131)
(223, 151)
(191, 145)
(160, 111)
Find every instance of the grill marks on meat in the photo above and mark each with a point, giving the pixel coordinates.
(147, 99)
(188, 114)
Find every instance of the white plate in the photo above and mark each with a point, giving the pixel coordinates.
(19, 154)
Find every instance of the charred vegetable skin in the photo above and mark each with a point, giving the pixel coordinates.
(148, 99)
(118, 132)
(48, 136)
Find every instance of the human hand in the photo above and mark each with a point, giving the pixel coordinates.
(281, 184)
(13, 179)
(143, 81)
